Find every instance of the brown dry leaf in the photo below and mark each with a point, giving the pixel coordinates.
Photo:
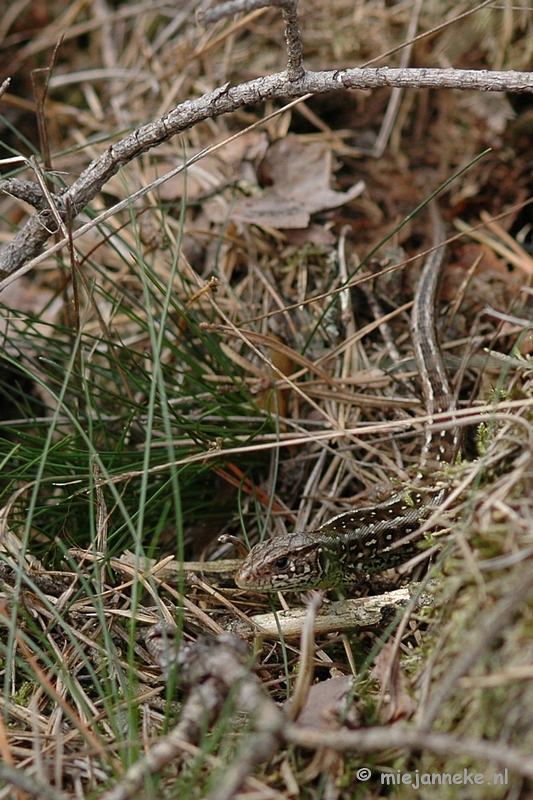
(326, 704)
(282, 361)
(300, 174)
(399, 703)
(490, 263)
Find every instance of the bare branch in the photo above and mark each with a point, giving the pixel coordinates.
(210, 669)
(295, 69)
(30, 240)
(368, 740)
(29, 191)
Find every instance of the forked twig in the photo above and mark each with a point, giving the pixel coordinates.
(295, 69)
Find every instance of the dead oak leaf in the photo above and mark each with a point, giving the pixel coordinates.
(300, 173)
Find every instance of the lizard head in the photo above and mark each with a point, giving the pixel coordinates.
(295, 562)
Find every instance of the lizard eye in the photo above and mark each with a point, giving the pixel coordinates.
(282, 563)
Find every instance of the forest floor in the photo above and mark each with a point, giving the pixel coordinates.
(193, 365)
